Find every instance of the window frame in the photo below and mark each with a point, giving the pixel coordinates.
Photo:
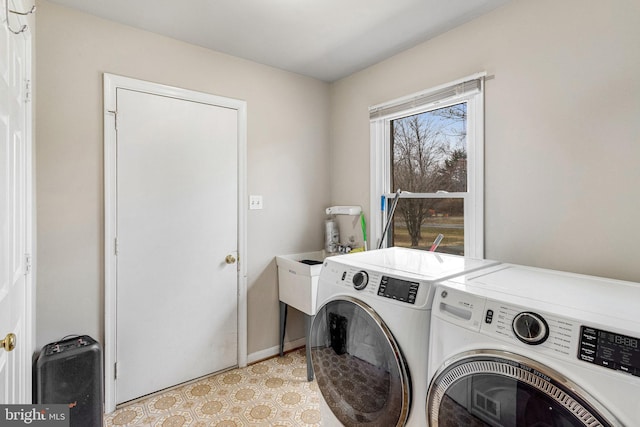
(380, 161)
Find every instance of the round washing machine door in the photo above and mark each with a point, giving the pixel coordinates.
(499, 388)
(358, 365)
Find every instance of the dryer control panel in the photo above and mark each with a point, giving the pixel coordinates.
(397, 288)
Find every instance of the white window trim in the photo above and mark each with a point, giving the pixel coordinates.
(380, 172)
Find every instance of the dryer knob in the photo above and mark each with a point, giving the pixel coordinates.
(360, 280)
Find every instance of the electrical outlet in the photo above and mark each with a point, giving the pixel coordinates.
(255, 202)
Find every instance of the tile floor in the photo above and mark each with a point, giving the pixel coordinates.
(274, 392)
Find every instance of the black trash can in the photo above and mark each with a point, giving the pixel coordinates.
(70, 372)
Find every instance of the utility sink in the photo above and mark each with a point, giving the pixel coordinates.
(298, 280)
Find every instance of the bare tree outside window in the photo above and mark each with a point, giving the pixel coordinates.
(429, 157)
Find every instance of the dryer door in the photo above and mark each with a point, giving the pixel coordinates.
(358, 365)
(497, 388)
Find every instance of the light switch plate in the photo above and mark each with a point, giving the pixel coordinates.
(255, 202)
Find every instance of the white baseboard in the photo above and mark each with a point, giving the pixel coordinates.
(273, 351)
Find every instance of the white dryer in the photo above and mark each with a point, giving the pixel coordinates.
(369, 338)
(520, 346)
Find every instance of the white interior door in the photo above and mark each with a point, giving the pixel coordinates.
(177, 213)
(15, 215)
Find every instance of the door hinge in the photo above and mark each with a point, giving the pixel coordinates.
(115, 118)
(27, 264)
(115, 371)
(27, 95)
(115, 246)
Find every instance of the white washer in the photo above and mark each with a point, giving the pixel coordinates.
(520, 346)
(369, 338)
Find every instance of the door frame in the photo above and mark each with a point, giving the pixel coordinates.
(26, 338)
(111, 83)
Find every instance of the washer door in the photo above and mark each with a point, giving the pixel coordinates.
(358, 365)
(498, 388)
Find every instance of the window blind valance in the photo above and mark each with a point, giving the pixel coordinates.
(460, 88)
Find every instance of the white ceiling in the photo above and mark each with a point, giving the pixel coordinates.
(325, 39)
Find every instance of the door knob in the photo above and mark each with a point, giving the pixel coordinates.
(9, 342)
(230, 259)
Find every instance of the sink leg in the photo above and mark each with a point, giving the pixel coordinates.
(283, 325)
(308, 320)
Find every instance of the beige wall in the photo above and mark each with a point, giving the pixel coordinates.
(562, 166)
(562, 144)
(287, 162)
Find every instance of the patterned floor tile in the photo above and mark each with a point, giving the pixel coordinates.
(274, 392)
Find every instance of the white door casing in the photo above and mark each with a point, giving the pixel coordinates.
(16, 277)
(123, 270)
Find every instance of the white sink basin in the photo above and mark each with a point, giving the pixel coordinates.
(298, 282)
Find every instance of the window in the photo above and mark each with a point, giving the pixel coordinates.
(430, 147)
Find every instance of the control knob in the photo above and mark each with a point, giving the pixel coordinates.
(530, 328)
(360, 280)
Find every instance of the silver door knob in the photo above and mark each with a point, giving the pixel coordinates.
(9, 342)
(230, 259)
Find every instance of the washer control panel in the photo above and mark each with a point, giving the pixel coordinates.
(534, 328)
(609, 349)
(508, 322)
(547, 333)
